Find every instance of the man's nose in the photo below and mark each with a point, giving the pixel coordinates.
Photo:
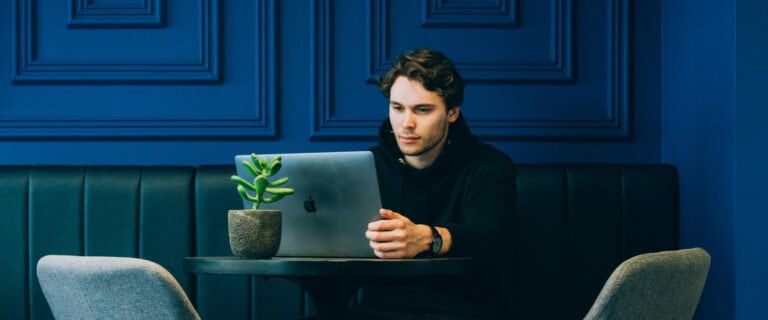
(408, 120)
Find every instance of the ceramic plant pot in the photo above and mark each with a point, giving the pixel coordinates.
(255, 233)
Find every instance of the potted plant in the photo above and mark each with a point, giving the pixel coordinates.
(255, 233)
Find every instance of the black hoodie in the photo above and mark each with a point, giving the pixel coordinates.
(470, 190)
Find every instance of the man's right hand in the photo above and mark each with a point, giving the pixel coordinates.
(397, 237)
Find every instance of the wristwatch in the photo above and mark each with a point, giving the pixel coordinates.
(437, 242)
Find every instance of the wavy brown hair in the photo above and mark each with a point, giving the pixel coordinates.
(430, 67)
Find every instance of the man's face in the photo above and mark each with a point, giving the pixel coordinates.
(419, 119)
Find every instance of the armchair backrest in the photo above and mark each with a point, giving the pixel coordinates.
(660, 285)
(111, 288)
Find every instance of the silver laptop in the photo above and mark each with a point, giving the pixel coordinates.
(336, 196)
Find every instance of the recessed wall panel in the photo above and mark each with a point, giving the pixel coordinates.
(552, 77)
(474, 14)
(141, 83)
(48, 52)
(117, 14)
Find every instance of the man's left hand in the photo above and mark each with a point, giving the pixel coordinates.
(396, 237)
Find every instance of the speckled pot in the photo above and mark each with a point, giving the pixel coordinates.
(255, 233)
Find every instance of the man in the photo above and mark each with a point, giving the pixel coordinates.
(443, 193)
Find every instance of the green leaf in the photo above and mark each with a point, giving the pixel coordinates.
(256, 162)
(280, 191)
(273, 199)
(275, 168)
(273, 161)
(278, 182)
(247, 196)
(242, 182)
(251, 168)
(263, 164)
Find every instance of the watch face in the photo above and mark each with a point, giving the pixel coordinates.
(437, 245)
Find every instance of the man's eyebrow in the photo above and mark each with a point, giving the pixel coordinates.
(421, 105)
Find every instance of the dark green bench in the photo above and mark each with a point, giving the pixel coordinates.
(574, 224)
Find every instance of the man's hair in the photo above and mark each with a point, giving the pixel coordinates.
(430, 67)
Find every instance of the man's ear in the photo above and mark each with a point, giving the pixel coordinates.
(453, 114)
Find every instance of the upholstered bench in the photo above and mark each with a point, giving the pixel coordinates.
(573, 225)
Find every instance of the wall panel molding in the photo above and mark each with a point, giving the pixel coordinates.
(101, 14)
(324, 124)
(29, 69)
(556, 68)
(498, 14)
(614, 125)
(260, 123)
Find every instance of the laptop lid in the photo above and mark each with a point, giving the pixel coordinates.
(336, 196)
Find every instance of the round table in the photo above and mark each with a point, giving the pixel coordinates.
(330, 282)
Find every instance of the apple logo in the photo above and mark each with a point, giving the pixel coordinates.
(309, 205)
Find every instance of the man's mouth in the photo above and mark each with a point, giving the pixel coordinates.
(408, 139)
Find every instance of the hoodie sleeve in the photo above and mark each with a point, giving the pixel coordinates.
(488, 209)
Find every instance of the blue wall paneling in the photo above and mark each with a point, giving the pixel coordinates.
(105, 54)
(157, 81)
(592, 105)
(110, 14)
(549, 80)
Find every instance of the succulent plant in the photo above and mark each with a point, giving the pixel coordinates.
(262, 169)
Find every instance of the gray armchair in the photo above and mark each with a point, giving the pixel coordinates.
(660, 285)
(111, 288)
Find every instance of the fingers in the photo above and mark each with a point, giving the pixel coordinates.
(392, 220)
(380, 236)
(389, 237)
(386, 225)
(389, 214)
(387, 246)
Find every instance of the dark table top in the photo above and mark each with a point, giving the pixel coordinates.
(342, 267)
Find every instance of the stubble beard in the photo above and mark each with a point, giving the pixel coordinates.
(427, 148)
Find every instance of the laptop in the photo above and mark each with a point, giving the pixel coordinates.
(336, 196)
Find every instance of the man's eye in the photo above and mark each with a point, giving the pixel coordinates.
(422, 110)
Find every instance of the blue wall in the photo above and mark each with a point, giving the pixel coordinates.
(751, 160)
(698, 97)
(714, 83)
(555, 80)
